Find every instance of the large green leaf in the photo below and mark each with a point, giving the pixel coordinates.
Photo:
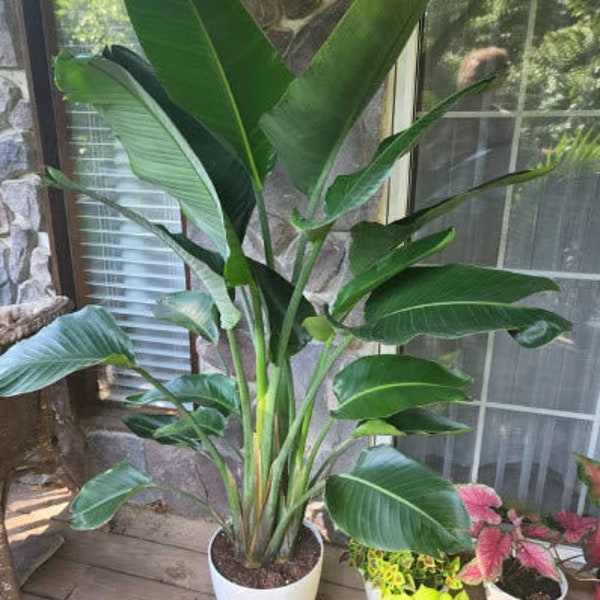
(349, 192)
(309, 124)
(391, 502)
(215, 62)
(386, 268)
(101, 497)
(380, 386)
(210, 420)
(195, 311)
(214, 282)
(411, 421)
(277, 292)
(145, 426)
(157, 151)
(372, 241)
(457, 300)
(227, 172)
(211, 390)
(71, 343)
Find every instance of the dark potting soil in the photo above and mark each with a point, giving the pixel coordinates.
(526, 583)
(305, 555)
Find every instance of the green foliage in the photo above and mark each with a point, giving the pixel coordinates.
(400, 574)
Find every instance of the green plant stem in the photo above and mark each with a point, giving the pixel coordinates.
(286, 330)
(259, 347)
(331, 459)
(246, 409)
(279, 533)
(324, 365)
(310, 461)
(217, 459)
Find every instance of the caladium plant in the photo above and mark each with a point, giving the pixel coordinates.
(529, 538)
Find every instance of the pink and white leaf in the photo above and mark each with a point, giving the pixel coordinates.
(575, 526)
(514, 517)
(591, 549)
(479, 501)
(541, 532)
(492, 547)
(539, 558)
(471, 573)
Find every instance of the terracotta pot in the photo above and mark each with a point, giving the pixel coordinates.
(493, 592)
(303, 589)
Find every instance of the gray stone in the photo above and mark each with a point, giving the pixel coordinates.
(192, 473)
(5, 220)
(7, 294)
(8, 51)
(21, 116)
(106, 448)
(4, 255)
(280, 38)
(266, 12)
(39, 268)
(9, 94)
(299, 9)
(14, 154)
(30, 291)
(208, 355)
(330, 265)
(22, 242)
(23, 197)
(313, 34)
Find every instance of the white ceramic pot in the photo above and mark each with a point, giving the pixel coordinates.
(493, 592)
(372, 592)
(303, 589)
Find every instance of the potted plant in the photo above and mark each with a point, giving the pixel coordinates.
(519, 551)
(203, 120)
(406, 574)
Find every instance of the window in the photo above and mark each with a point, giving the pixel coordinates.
(123, 266)
(531, 408)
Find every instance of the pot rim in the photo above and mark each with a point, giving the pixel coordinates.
(564, 586)
(313, 529)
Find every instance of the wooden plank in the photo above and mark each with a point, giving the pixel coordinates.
(176, 566)
(57, 578)
(340, 573)
(100, 584)
(331, 591)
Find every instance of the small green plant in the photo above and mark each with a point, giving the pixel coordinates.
(406, 574)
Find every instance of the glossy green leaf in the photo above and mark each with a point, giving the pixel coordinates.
(319, 328)
(211, 390)
(157, 151)
(71, 343)
(145, 426)
(101, 497)
(349, 192)
(215, 62)
(411, 421)
(391, 502)
(372, 241)
(453, 301)
(214, 283)
(381, 386)
(309, 124)
(210, 420)
(386, 268)
(227, 172)
(194, 311)
(277, 292)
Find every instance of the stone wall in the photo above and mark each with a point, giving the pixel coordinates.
(24, 244)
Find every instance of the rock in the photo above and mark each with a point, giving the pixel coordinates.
(23, 197)
(299, 9)
(21, 116)
(281, 39)
(30, 291)
(39, 268)
(9, 95)
(7, 294)
(4, 254)
(4, 219)
(8, 53)
(319, 516)
(266, 12)
(22, 242)
(14, 154)
(312, 36)
(208, 355)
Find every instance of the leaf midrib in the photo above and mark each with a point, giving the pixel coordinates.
(380, 388)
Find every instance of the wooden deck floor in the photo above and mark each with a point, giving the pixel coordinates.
(143, 556)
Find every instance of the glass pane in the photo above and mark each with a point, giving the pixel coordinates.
(531, 407)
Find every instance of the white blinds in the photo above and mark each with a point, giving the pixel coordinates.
(125, 268)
